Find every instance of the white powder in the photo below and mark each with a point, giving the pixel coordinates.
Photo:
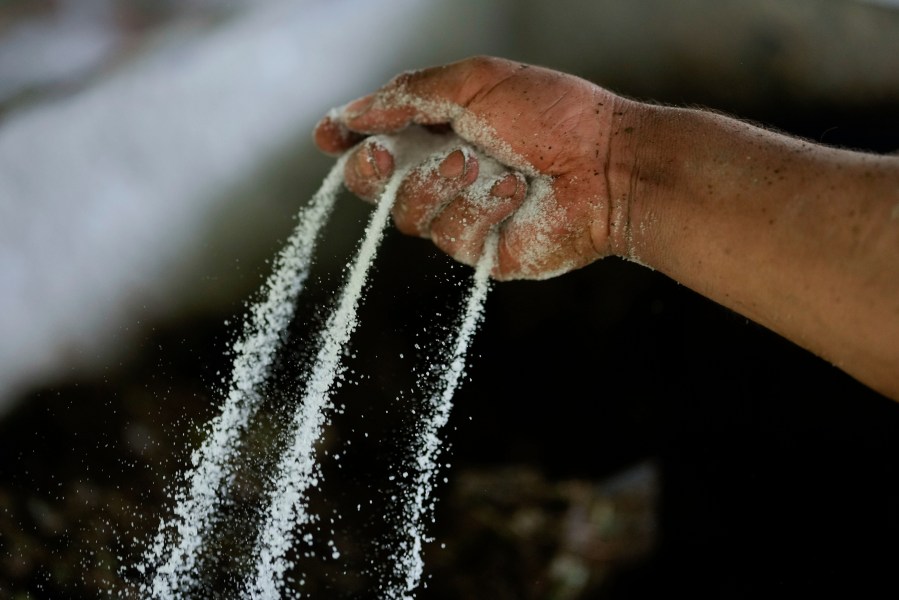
(541, 216)
(408, 563)
(175, 554)
(546, 222)
(175, 557)
(297, 469)
(469, 126)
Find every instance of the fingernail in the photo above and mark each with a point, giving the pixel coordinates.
(364, 165)
(453, 165)
(357, 108)
(505, 187)
(381, 159)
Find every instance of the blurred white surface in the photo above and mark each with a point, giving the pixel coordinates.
(101, 192)
(57, 48)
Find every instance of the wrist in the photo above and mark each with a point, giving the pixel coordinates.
(636, 175)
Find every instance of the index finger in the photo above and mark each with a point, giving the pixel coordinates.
(432, 96)
(425, 97)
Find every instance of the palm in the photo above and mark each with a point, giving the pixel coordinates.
(560, 125)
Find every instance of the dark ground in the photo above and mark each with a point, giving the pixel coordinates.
(776, 472)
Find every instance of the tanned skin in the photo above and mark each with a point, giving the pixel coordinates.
(799, 237)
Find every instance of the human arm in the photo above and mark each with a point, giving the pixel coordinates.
(802, 238)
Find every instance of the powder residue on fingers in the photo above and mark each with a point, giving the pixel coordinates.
(297, 470)
(470, 127)
(541, 215)
(546, 225)
(478, 210)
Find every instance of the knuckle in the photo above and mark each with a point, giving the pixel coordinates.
(402, 80)
(357, 180)
(409, 221)
(483, 63)
(489, 68)
(405, 226)
(448, 246)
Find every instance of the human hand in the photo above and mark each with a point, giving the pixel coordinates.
(553, 204)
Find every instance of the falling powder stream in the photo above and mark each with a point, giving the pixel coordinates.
(408, 563)
(174, 556)
(296, 470)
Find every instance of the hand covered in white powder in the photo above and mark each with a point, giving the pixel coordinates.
(448, 194)
(553, 131)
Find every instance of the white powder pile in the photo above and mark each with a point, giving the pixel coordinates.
(297, 469)
(408, 563)
(175, 554)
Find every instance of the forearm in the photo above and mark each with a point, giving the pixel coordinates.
(798, 237)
